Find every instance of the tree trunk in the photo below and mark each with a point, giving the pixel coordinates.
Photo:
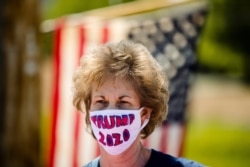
(20, 94)
(2, 85)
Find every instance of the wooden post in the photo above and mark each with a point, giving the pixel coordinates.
(2, 85)
(20, 94)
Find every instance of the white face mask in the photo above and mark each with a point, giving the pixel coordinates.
(116, 130)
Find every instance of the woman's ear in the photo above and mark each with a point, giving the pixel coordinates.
(145, 113)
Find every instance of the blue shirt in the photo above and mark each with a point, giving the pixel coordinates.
(158, 159)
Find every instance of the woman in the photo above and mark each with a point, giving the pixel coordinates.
(123, 92)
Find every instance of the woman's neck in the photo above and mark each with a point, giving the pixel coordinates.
(135, 156)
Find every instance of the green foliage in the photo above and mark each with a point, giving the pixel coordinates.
(224, 46)
(47, 44)
(64, 7)
(216, 144)
(218, 57)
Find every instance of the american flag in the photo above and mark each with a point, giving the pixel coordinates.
(170, 38)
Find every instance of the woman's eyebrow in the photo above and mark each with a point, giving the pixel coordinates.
(123, 96)
(101, 96)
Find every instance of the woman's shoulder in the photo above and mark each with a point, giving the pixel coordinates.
(158, 158)
(93, 163)
(189, 163)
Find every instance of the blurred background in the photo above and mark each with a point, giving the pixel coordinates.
(217, 105)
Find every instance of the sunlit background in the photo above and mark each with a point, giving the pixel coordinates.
(217, 132)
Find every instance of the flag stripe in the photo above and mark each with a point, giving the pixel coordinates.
(154, 139)
(105, 32)
(57, 48)
(65, 129)
(76, 140)
(175, 131)
(182, 137)
(164, 135)
(77, 114)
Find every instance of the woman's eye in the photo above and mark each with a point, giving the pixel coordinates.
(100, 101)
(99, 104)
(123, 104)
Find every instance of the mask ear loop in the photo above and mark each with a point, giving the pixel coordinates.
(145, 121)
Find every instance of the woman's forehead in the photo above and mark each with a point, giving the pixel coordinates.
(113, 83)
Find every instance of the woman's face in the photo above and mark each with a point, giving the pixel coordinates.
(114, 94)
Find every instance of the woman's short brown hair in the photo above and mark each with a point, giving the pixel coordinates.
(126, 60)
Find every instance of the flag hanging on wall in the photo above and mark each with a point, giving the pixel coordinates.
(170, 36)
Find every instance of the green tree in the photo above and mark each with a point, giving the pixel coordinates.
(63, 7)
(224, 47)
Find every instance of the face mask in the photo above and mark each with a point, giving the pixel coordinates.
(116, 130)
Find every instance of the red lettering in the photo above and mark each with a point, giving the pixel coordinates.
(102, 138)
(121, 120)
(114, 139)
(109, 124)
(109, 140)
(99, 121)
(93, 118)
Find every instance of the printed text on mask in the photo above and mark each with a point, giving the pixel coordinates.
(109, 122)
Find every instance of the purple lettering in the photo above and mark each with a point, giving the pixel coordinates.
(117, 138)
(131, 118)
(109, 140)
(109, 124)
(102, 138)
(93, 118)
(99, 121)
(126, 135)
(121, 120)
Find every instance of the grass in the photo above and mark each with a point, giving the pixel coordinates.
(217, 144)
